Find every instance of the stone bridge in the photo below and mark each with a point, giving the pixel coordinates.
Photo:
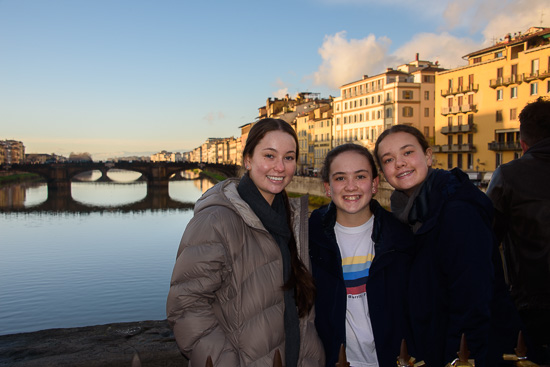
(157, 174)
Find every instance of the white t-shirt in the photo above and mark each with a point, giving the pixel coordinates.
(357, 250)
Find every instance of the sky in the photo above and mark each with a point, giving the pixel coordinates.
(118, 78)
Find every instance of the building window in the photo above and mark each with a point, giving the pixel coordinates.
(426, 112)
(378, 114)
(459, 161)
(427, 95)
(499, 116)
(470, 119)
(338, 121)
(477, 60)
(498, 159)
(459, 118)
(548, 87)
(379, 98)
(345, 120)
(534, 88)
(427, 131)
(407, 111)
(500, 94)
(535, 67)
(514, 92)
(449, 161)
(407, 94)
(470, 161)
(513, 113)
(450, 121)
(449, 140)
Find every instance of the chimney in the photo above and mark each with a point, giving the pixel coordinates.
(417, 56)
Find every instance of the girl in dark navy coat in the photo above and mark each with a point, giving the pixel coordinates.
(456, 280)
(360, 259)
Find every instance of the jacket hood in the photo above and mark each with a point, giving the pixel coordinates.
(225, 194)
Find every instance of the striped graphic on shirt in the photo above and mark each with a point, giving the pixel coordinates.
(356, 272)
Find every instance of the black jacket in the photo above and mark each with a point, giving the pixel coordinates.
(386, 284)
(521, 197)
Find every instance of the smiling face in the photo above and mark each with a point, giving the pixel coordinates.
(351, 188)
(403, 161)
(272, 164)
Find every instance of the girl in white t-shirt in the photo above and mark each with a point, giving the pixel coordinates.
(360, 257)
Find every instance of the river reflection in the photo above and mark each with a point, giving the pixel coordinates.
(97, 257)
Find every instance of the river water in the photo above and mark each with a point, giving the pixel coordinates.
(104, 254)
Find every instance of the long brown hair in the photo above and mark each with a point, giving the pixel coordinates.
(300, 278)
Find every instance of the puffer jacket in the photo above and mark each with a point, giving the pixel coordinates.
(226, 299)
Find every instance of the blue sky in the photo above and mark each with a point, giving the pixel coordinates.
(121, 77)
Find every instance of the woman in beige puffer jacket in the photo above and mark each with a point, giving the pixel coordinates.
(226, 298)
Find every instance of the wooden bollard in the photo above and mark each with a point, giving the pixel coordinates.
(520, 358)
(463, 355)
(404, 359)
(342, 359)
(136, 362)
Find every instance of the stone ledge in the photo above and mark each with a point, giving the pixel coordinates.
(93, 346)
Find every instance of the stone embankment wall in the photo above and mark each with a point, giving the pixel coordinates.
(314, 186)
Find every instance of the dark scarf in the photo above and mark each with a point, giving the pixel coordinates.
(274, 219)
(413, 210)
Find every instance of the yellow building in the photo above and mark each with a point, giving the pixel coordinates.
(478, 105)
(368, 106)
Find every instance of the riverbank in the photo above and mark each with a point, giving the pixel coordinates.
(107, 345)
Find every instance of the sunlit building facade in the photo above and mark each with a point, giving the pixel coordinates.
(477, 105)
(367, 107)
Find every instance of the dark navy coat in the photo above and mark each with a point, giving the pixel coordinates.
(456, 280)
(386, 284)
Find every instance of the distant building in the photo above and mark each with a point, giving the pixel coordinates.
(165, 156)
(12, 152)
(478, 105)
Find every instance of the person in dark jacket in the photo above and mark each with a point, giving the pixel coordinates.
(519, 191)
(456, 283)
(360, 262)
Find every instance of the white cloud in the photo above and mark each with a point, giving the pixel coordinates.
(281, 93)
(482, 23)
(214, 116)
(443, 48)
(345, 61)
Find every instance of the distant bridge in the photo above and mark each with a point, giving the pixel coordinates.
(59, 175)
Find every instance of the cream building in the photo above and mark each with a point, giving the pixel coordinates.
(478, 105)
(12, 152)
(368, 106)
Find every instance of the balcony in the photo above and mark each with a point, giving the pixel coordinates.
(450, 110)
(460, 90)
(454, 148)
(494, 83)
(505, 81)
(455, 129)
(505, 146)
(468, 108)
